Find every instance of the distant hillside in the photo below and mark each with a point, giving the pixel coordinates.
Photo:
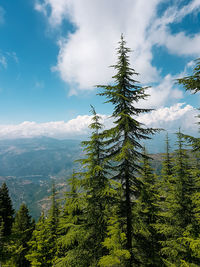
(29, 167)
(37, 156)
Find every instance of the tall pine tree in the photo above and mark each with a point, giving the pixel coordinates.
(177, 216)
(21, 234)
(6, 209)
(6, 221)
(43, 242)
(124, 138)
(71, 249)
(146, 237)
(97, 188)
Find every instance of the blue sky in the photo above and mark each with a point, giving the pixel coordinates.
(53, 52)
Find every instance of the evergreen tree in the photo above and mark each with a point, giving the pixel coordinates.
(53, 217)
(1, 241)
(6, 210)
(167, 165)
(71, 249)
(124, 137)
(21, 234)
(40, 247)
(97, 188)
(43, 243)
(192, 83)
(6, 220)
(115, 241)
(147, 238)
(178, 211)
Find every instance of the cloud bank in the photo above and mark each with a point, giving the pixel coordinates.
(169, 118)
(85, 54)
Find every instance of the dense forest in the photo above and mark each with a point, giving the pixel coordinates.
(117, 211)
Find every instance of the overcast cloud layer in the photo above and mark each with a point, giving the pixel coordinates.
(84, 56)
(178, 115)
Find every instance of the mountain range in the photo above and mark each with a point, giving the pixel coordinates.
(30, 166)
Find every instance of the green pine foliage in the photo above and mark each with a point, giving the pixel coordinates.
(1, 241)
(97, 188)
(6, 221)
(40, 247)
(43, 242)
(21, 234)
(71, 249)
(167, 166)
(124, 138)
(117, 212)
(147, 246)
(115, 241)
(192, 82)
(6, 210)
(177, 216)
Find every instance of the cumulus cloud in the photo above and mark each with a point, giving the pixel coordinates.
(3, 61)
(169, 118)
(85, 54)
(165, 91)
(74, 128)
(6, 56)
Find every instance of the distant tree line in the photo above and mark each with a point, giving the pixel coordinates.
(117, 211)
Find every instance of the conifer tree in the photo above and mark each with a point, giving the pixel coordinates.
(71, 250)
(21, 234)
(1, 241)
(167, 162)
(192, 83)
(6, 210)
(167, 179)
(6, 220)
(39, 253)
(124, 138)
(97, 188)
(115, 241)
(53, 217)
(178, 211)
(43, 242)
(146, 236)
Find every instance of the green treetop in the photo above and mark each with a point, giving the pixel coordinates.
(192, 82)
(146, 214)
(124, 138)
(177, 216)
(167, 162)
(6, 210)
(97, 188)
(21, 234)
(71, 250)
(43, 242)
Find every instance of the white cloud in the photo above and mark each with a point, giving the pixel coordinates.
(74, 128)
(84, 55)
(164, 92)
(169, 118)
(3, 61)
(6, 56)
